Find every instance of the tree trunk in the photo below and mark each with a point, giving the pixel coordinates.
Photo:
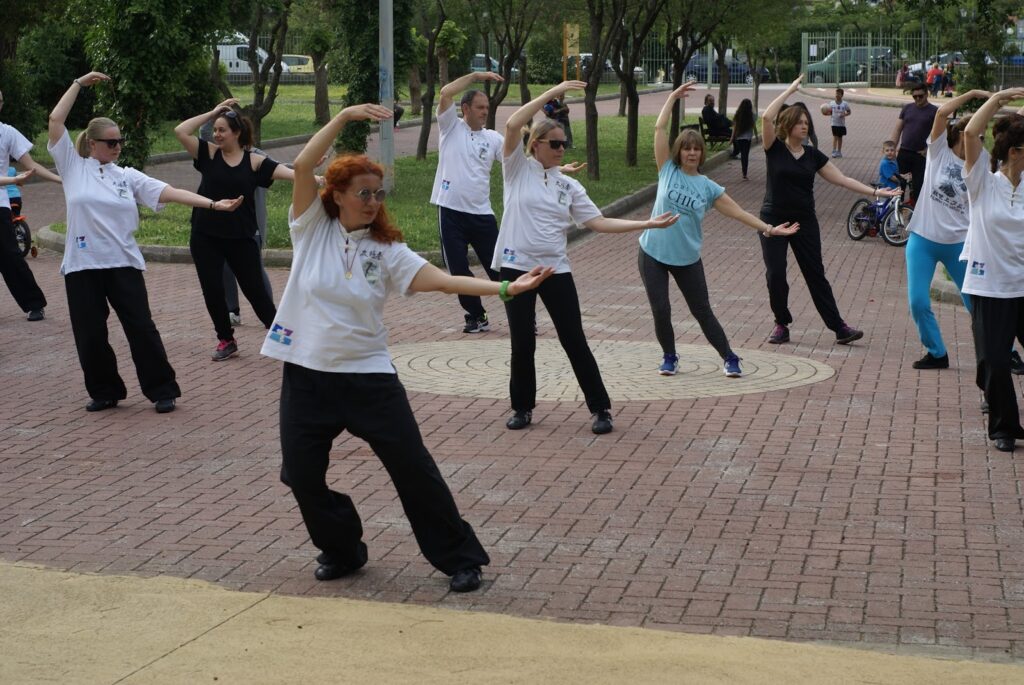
(632, 119)
(442, 62)
(524, 88)
(414, 91)
(590, 106)
(622, 99)
(321, 102)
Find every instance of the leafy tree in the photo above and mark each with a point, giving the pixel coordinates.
(318, 38)
(142, 45)
(431, 17)
(604, 23)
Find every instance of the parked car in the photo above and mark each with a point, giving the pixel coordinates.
(298, 64)
(850, 63)
(957, 58)
(479, 63)
(739, 71)
(234, 55)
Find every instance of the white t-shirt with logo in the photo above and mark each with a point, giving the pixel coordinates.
(12, 145)
(328, 322)
(839, 112)
(942, 212)
(994, 250)
(103, 209)
(465, 156)
(541, 206)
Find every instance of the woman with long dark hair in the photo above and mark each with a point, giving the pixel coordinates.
(348, 258)
(102, 264)
(744, 128)
(229, 169)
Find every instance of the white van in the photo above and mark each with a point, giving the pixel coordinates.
(234, 55)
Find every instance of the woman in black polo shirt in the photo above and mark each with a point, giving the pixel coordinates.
(229, 169)
(789, 197)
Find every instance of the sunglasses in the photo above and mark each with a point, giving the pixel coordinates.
(554, 144)
(111, 142)
(366, 195)
(922, 95)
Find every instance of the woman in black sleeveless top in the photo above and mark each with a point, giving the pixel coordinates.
(228, 170)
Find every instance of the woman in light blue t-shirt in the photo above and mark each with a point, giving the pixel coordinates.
(676, 250)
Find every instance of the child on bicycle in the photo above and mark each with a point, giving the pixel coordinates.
(888, 168)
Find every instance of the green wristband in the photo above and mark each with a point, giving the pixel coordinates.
(503, 292)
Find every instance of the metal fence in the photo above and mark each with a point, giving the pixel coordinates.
(874, 59)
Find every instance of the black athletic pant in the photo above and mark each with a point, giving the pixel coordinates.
(995, 322)
(124, 288)
(694, 286)
(460, 231)
(806, 244)
(14, 268)
(913, 163)
(558, 293)
(316, 407)
(231, 283)
(742, 146)
(243, 256)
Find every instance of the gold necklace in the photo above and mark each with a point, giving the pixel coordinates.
(344, 257)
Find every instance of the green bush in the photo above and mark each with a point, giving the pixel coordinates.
(544, 59)
(52, 53)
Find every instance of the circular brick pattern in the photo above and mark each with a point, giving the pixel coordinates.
(479, 368)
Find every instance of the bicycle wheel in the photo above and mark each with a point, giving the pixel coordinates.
(896, 226)
(859, 220)
(23, 235)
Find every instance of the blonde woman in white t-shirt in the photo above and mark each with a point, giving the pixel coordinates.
(994, 253)
(102, 264)
(541, 205)
(348, 258)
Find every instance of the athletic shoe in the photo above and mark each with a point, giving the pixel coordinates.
(670, 366)
(236, 319)
(476, 324)
(732, 366)
(466, 580)
(164, 406)
(519, 420)
(847, 334)
(928, 361)
(1016, 364)
(602, 422)
(835, 153)
(36, 315)
(838, 155)
(780, 334)
(226, 349)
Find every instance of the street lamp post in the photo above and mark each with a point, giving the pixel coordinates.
(387, 91)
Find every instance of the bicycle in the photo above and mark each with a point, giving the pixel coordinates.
(889, 216)
(22, 233)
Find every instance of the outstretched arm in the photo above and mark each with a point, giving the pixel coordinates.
(55, 125)
(661, 145)
(768, 122)
(304, 187)
(431, 279)
(16, 180)
(604, 224)
(831, 173)
(453, 88)
(727, 206)
(524, 115)
(950, 107)
(978, 124)
(183, 131)
(190, 199)
(30, 164)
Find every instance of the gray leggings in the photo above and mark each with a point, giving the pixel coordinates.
(694, 287)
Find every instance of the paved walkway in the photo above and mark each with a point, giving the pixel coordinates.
(863, 507)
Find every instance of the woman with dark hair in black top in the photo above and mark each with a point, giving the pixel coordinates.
(789, 197)
(229, 169)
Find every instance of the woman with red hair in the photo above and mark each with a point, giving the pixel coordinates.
(338, 375)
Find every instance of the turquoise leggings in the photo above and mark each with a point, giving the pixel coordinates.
(922, 257)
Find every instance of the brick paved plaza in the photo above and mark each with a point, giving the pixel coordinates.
(833, 494)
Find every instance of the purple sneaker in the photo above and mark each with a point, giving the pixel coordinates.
(847, 334)
(780, 334)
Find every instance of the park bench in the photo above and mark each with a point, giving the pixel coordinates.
(712, 141)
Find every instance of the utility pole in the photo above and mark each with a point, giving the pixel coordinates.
(387, 91)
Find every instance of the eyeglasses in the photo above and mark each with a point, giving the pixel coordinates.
(111, 142)
(366, 195)
(554, 144)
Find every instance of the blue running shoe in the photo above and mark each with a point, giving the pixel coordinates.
(670, 366)
(732, 366)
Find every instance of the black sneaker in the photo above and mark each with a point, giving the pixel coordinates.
(164, 406)
(519, 420)
(930, 362)
(476, 324)
(100, 405)
(602, 422)
(38, 315)
(466, 580)
(1016, 364)
(780, 334)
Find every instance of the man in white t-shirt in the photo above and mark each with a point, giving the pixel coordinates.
(462, 186)
(13, 267)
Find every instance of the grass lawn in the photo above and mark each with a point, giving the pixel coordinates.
(409, 203)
